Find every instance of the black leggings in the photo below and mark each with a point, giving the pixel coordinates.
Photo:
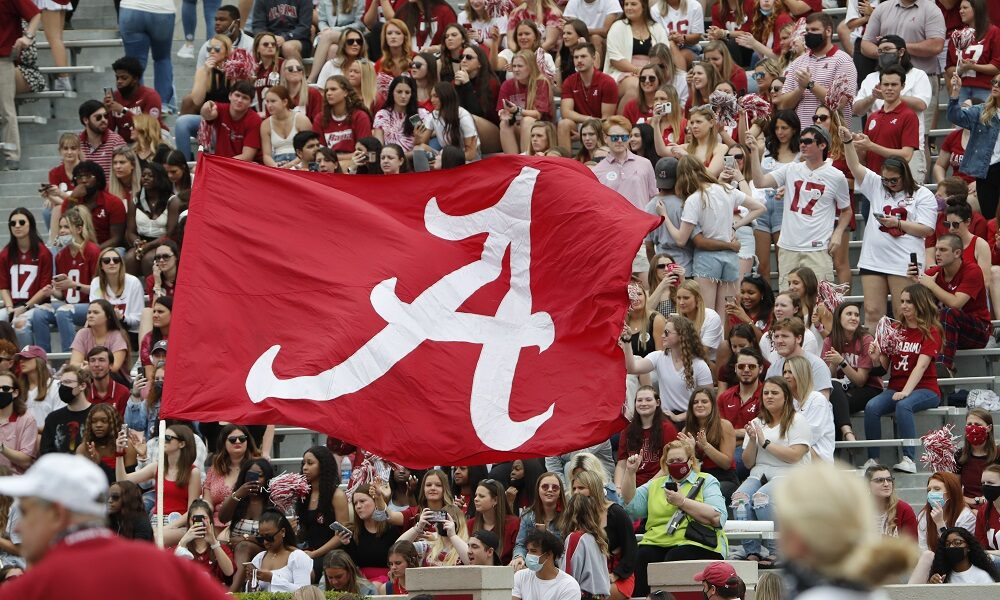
(655, 554)
(848, 403)
(988, 192)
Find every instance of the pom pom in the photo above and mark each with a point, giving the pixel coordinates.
(725, 107)
(206, 137)
(634, 295)
(372, 467)
(840, 94)
(887, 335)
(831, 295)
(755, 107)
(939, 450)
(962, 38)
(240, 65)
(799, 31)
(543, 65)
(382, 82)
(498, 8)
(286, 489)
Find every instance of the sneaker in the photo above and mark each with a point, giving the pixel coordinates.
(906, 465)
(871, 462)
(186, 51)
(62, 84)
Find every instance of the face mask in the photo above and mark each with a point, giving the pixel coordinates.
(158, 386)
(991, 492)
(767, 12)
(942, 203)
(887, 60)
(954, 555)
(935, 499)
(517, 484)
(814, 41)
(66, 394)
(976, 434)
(533, 563)
(5, 399)
(64, 240)
(678, 471)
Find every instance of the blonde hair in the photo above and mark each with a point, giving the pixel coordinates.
(688, 450)
(589, 464)
(831, 511)
(550, 136)
(303, 99)
(802, 372)
(691, 286)
(768, 587)
(533, 76)
(708, 114)
(437, 546)
(109, 287)
(79, 216)
(367, 91)
(115, 187)
(147, 132)
(990, 109)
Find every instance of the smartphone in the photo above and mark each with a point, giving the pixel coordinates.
(730, 299)
(913, 258)
(438, 516)
(416, 121)
(253, 476)
(372, 157)
(879, 215)
(314, 167)
(337, 527)
(660, 108)
(729, 161)
(670, 485)
(108, 91)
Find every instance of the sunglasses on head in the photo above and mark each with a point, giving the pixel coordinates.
(18, 223)
(237, 439)
(294, 69)
(266, 538)
(107, 260)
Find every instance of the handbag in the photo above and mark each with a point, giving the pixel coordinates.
(700, 533)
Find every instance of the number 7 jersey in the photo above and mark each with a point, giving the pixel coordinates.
(813, 198)
(24, 278)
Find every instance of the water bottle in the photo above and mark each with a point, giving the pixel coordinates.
(741, 513)
(345, 470)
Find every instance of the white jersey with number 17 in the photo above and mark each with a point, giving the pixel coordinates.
(812, 200)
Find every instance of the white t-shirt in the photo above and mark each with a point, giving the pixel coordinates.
(818, 413)
(880, 251)
(918, 85)
(483, 27)
(132, 299)
(592, 13)
(966, 520)
(51, 402)
(675, 21)
(465, 121)
(799, 432)
(973, 576)
(809, 343)
(711, 332)
(529, 587)
(674, 392)
(812, 201)
(854, 13)
(508, 55)
(713, 211)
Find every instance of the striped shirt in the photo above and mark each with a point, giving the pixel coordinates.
(825, 69)
(101, 154)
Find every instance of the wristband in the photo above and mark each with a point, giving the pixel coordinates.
(848, 141)
(236, 498)
(119, 453)
(843, 364)
(216, 545)
(380, 515)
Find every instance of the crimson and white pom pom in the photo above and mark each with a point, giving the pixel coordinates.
(725, 107)
(887, 335)
(240, 65)
(799, 31)
(962, 38)
(286, 489)
(372, 466)
(382, 82)
(206, 136)
(939, 450)
(831, 295)
(755, 107)
(634, 295)
(840, 94)
(498, 8)
(543, 65)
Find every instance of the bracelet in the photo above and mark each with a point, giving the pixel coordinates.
(216, 545)
(236, 498)
(119, 453)
(843, 364)
(847, 142)
(380, 515)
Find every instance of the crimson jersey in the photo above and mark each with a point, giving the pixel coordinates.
(107, 210)
(981, 52)
(144, 100)
(988, 532)
(27, 276)
(968, 280)
(342, 135)
(903, 361)
(953, 145)
(893, 129)
(732, 408)
(168, 289)
(81, 268)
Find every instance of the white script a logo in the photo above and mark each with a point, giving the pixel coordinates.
(433, 316)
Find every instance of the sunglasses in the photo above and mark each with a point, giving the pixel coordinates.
(352, 42)
(266, 538)
(746, 367)
(100, 117)
(648, 78)
(469, 56)
(108, 260)
(995, 83)
(807, 141)
(162, 256)
(890, 180)
(169, 438)
(6, 388)
(618, 137)
(548, 487)
(953, 224)
(237, 439)
(18, 223)
(417, 65)
(775, 90)
(738, 156)
(294, 69)
(219, 48)
(759, 76)
(821, 118)
(662, 266)
(268, 44)
(881, 480)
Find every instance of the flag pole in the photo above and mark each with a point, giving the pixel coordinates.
(160, 466)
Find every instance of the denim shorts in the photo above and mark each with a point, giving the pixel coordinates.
(770, 221)
(717, 265)
(747, 245)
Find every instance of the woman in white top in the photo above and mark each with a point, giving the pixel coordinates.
(450, 123)
(151, 219)
(36, 379)
(778, 439)
(630, 40)
(484, 29)
(812, 405)
(277, 131)
(960, 558)
(122, 290)
(353, 47)
(281, 567)
(681, 367)
(684, 21)
(786, 306)
(945, 507)
(707, 322)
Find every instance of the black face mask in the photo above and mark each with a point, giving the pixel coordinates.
(5, 399)
(67, 394)
(954, 556)
(991, 492)
(814, 41)
(158, 386)
(517, 484)
(887, 60)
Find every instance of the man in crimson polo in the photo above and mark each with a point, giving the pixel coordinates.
(740, 404)
(894, 130)
(72, 554)
(586, 94)
(960, 290)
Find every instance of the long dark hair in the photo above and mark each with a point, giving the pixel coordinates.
(766, 307)
(220, 460)
(411, 106)
(982, 20)
(34, 240)
(160, 191)
(327, 483)
(175, 158)
(266, 474)
(477, 473)
(447, 69)
(633, 433)
(132, 509)
(448, 98)
(977, 556)
(432, 67)
(109, 312)
(648, 145)
(273, 516)
(200, 504)
(839, 339)
(371, 144)
(156, 333)
(483, 80)
(713, 426)
(500, 511)
(771, 142)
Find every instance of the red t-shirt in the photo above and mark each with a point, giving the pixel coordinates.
(314, 103)
(857, 356)
(59, 178)
(723, 17)
(342, 135)
(168, 288)
(988, 532)
(11, 14)
(953, 144)
(517, 94)
(587, 100)
(734, 410)
(509, 535)
(145, 100)
(739, 80)
(649, 457)
(81, 268)
(968, 280)
(107, 210)
(26, 277)
(893, 129)
(441, 16)
(232, 135)
(634, 114)
(264, 79)
(670, 137)
(117, 396)
(906, 520)
(914, 345)
(991, 236)
(994, 9)
(978, 226)
(982, 52)
(952, 17)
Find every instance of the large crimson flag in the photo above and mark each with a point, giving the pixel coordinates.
(456, 317)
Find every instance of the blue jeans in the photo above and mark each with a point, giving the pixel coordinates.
(758, 509)
(973, 93)
(66, 317)
(906, 428)
(189, 17)
(143, 32)
(186, 129)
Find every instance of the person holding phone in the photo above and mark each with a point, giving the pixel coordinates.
(446, 537)
(399, 116)
(365, 160)
(200, 544)
(242, 510)
(281, 566)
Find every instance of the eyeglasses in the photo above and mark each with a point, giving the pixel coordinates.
(294, 69)
(775, 90)
(881, 480)
(618, 137)
(647, 78)
(738, 156)
(821, 118)
(18, 223)
(159, 257)
(807, 141)
(214, 48)
(469, 56)
(169, 438)
(548, 487)
(890, 180)
(746, 367)
(953, 224)
(956, 544)
(266, 538)
(6, 388)
(352, 42)
(237, 439)
(107, 260)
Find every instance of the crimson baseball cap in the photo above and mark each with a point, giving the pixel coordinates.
(32, 352)
(718, 574)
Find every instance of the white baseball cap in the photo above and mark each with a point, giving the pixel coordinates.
(72, 481)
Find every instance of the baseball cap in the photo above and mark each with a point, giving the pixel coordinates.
(718, 574)
(893, 39)
(490, 540)
(666, 173)
(818, 132)
(66, 479)
(158, 346)
(32, 352)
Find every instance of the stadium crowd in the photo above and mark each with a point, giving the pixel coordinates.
(742, 135)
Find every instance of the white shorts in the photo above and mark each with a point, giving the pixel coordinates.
(51, 5)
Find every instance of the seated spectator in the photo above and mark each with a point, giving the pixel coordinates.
(228, 23)
(523, 99)
(129, 98)
(326, 161)
(303, 99)
(278, 130)
(178, 171)
(162, 309)
(641, 143)
(959, 219)
(739, 403)
(587, 93)
(624, 58)
(812, 405)
(151, 220)
(478, 88)
(103, 329)
(289, 21)
(41, 391)
(586, 545)
(455, 40)
(645, 326)
(718, 54)
(393, 160)
(423, 69)
(485, 29)
(342, 575)
(60, 182)
(403, 555)
(623, 171)
(126, 173)
(713, 439)
(491, 515)
(952, 192)
(543, 580)
(543, 12)
(426, 21)
(394, 123)
(545, 512)
(281, 566)
(268, 73)
(445, 538)
(395, 44)
(707, 323)
(895, 517)
(210, 85)
(242, 511)
(788, 305)
(645, 436)
(597, 17)
(740, 336)
(618, 531)
(353, 46)
(361, 76)
(669, 125)
(365, 160)
(950, 156)
(764, 37)
(63, 428)
(845, 350)
(162, 280)
(703, 143)
(100, 430)
(370, 540)
(956, 284)
(127, 517)
(451, 124)
(122, 290)
(344, 119)
(698, 537)
(236, 449)
(988, 516)
(235, 126)
(199, 543)
(18, 429)
(944, 508)
(464, 484)
(97, 141)
(978, 452)
(483, 549)
(960, 558)
(333, 19)
(326, 503)
(684, 23)
(25, 273)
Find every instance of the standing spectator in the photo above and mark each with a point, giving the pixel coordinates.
(659, 241)
(228, 23)
(12, 40)
(130, 98)
(980, 62)
(289, 21)
(892, 131)
(811, 75)
(587, 93)
(148, 25)
(980, 160)
(586, 545)
(958, 287)
(235, 126)
(97, 141)
(189, 20)
(63, 428)
(852, 29)
(628, 174)
(645, 436)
